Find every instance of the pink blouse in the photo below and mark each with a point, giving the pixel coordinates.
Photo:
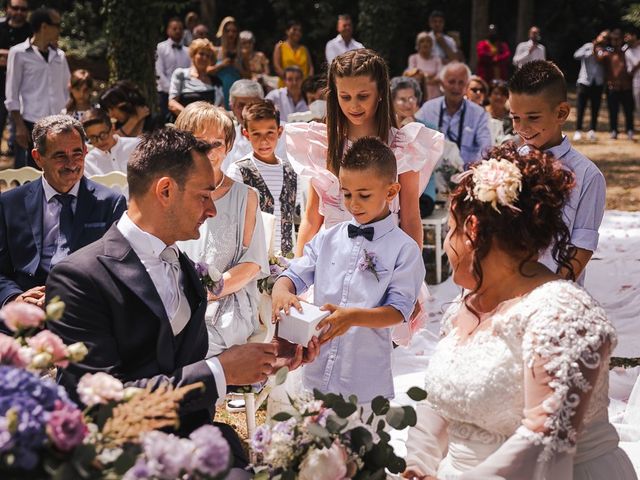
(416, 147)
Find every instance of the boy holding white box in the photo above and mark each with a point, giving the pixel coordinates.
(367, 273)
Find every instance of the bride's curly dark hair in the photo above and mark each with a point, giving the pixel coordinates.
(535, 225)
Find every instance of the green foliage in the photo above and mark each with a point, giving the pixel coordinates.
(133, 30)
(633, 15)
(81, 32)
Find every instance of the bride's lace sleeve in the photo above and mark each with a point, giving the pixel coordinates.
(567, 342)
(427, 441)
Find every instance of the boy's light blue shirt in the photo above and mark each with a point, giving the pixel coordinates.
(584, 210)
(359, 362)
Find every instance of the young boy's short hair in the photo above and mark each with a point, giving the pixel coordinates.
(371, 153)
(95, 116)
(540, 77)
(260, 110)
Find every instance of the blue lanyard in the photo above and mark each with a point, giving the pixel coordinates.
(457, 141)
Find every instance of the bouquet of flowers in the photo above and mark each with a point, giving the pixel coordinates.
(210, 276)
(45, 434)
(277, 265)
(327, 438)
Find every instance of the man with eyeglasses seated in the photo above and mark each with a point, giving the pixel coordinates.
(110, 152)
(43, 221)
(13, 31)
(462, 121)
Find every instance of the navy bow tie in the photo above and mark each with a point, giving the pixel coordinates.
(354, 231)
(177, 46)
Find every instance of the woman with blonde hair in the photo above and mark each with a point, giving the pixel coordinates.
(232, 242)
(194, 83)
(230, 66)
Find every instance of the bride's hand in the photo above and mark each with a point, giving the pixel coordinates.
(416, 475)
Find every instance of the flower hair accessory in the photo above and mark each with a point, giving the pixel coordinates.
(496, 182)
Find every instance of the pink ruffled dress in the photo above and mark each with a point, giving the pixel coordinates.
(416, 148)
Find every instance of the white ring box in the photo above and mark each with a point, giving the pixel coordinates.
(299, 327)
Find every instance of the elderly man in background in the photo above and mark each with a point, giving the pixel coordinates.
(462, 121)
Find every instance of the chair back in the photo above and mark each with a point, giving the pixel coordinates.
(14, 177)
(269, 221)
(114, 180)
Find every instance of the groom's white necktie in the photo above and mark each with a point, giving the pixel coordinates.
(179, 311)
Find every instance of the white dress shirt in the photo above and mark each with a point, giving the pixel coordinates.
(51, 209)
(167, 60)
(337, 46)
(523, 55)
(99, 162)
(36, 87)
(148, 248)
(437, 49)
(285, 104)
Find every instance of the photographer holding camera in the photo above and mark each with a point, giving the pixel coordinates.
(530, 50)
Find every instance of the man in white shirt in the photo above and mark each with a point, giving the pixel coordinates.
(289, 99)
(632, 60)
(170, 54)
(37, 80)
(530, 50)
(138, 301)
(443, 45)
(344, 41)
(110, 152)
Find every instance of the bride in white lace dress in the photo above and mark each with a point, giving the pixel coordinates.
(518, 385)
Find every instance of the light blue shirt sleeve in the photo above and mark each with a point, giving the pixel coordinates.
(303, 269)
(406, 280)
(483, 134)
(589, 213)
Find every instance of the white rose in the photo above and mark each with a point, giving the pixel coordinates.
(99, 388)
(77, 351)
(324, 464)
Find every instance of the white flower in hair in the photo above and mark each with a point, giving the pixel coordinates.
(497, 182)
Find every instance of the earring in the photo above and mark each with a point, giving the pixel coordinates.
(379, 99)
(468, 243)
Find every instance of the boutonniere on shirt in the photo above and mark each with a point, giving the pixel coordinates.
(277, 265)
(210, 277)
(368, 263)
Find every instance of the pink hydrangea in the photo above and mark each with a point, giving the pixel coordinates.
(66, 427)
(19, 315)
(48, 342)
(95, 388)
(10, 353)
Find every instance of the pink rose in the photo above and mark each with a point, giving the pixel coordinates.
(324, 464)
(99, 388)
(18, 315)
(66, 427)
(48, 342)
(10, 353)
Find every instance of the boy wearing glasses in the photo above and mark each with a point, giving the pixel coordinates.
(111, 152)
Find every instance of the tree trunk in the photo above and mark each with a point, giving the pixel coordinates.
(479, 27)
(133, 30)
(208, 16)
(525, 19)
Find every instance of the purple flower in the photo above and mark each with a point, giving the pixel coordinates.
(66, 427)
(261, 438)
(368, 262)
(201, 269)
(139, 471)
(167, 455)
(5, 434)
(30, 401)
(275, 270)
(212, 454)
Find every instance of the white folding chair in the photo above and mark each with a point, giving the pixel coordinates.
(115, 180)
(437, 220)
(14, 177)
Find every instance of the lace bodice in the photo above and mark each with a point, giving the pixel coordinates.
(478, 385)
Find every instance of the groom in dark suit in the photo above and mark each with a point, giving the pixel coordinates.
(135, 300)
(41, 222)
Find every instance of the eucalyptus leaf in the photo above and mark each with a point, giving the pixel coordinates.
(381, 425)
(281, 375)
(335, 424)
(396, 464)
(410, 417)
(361, 437)
(282, 416)
(262, 475)
(384, 437)
(353, 399)
(345, 409)
(395, 418)
(417, 394)
(318, 430)
(318, 395)
(380, 405)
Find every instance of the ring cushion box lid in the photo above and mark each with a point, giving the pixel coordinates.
(300, 327)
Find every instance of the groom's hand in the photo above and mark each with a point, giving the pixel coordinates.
(292, 356)
(248, 363)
